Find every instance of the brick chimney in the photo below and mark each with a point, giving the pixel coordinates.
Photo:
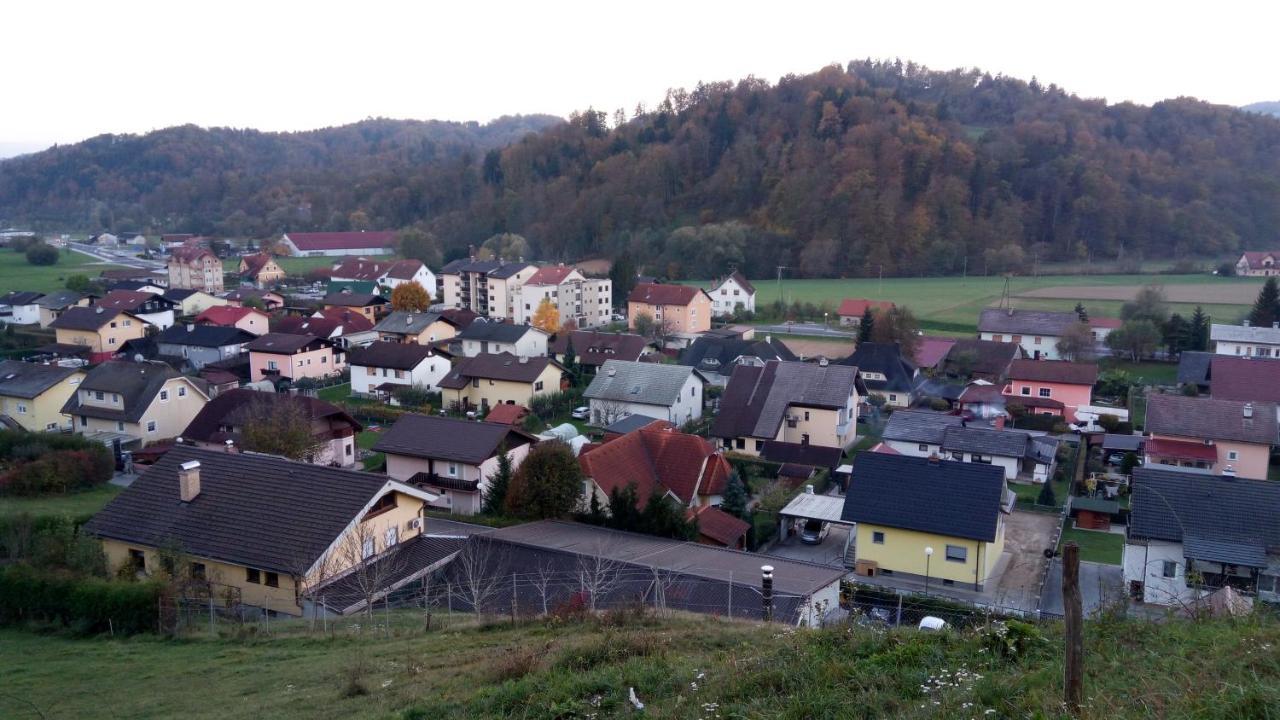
(999, 422)
(189, 480)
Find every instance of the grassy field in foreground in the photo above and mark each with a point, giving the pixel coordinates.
(18, 274)
(1095, 545)
(73, 505)
(680, 668)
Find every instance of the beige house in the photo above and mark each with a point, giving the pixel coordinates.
(261, 269)
(487, 380)
(792, 402)
(415, 328)
(193, 302)
(1227, 437)
(32, 395)
(102, 331)
(195, 268)
(673, 308)
(253, 533)
(145, 402)
(486, 287)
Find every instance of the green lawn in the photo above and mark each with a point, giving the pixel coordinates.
(1147, 373)
(335, 393)
(73, 505)
(1095, 545)
(18, 274)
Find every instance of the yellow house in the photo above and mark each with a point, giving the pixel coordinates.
(792, 402)
(675, 308)
(416, 328)
(487, 380)
(144, 401)
(32, 395)
(926, 519)
(269, 533)
(193, 302)
(101, 330)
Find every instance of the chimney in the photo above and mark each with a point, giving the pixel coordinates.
(1245, 323)
(999, 422)
(823, 361)
(189, 480)
(1248, 410)
(612, 372)
(524, 359)
(808, 489)
(1229, 471)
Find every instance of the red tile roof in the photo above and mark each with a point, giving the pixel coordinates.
(883, 449)
(932, 350)
(856, 307)
(359, 268)
(550, 275)
(506, 414)
(1244, 379)
(225, 315)
(655, 294)
(657, 461)
(342, 240)
(719, 526)
(405, 270)
(191, 254)
(1059, 371)
(1255, 257)
(253, 264)
(1181, 450)
(351, 321)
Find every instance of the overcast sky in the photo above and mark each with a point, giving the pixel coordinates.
(71, 70)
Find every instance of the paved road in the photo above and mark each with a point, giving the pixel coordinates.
(102, 254)
(1100, 585)
(806, 329)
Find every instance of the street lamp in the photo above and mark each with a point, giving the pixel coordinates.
(928, 555)
(824, 320)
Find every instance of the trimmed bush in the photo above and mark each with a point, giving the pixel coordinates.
(86, 605)
(58, 472)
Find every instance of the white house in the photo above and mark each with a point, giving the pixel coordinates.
(664, 392)
(23, 306)
(925, 434)
(1246, 340)
(491, 337)
(385, 273)
(1259, 263)
(404, 271)
(588, 302)
(1037, 332)
(380, 367)
(732, 292)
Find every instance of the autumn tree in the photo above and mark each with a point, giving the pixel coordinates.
(548, 483)
(547, 316)
(897, 325)
(505, 246)
(1077, 343)
(1149, 304)
(277, 425)
(410, 296)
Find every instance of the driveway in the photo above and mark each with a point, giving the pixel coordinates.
(1100, 585)
(1026, 535)
(829, 552)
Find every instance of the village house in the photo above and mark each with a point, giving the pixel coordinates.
(270, 299)
(277, 356)
(417, 328)
(1244, 379)
(100, 330)
(200, 345)
(1101, 327)
(380, 368)
(220, 423)
(716, 357)
(138, 403)
(483, 381)
(248, 319)
(1020, 454)
(732, 295)
(886, 372)
(367, 304)
(587, 302)
(1051, 387)
(192, 302)
(18, 307)
(1226, 437)
(981, 359)
(673, 308)
(663, 392)
(1246, 340)
(345, 327)
(1191, 534)
(1258, 263)
(250, 527)
(384, 274)
(592, 348)
(851, 310)
(47, 308)
(809, 404)
(451, 458)
(149, 307)
(333, 244)
(927, 518)
(260, 270)
(195, 268)
(1037, 332)
(485, 287)
(489, 337)
(32, 395)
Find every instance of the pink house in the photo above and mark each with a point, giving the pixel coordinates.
(1227, 437)
(245, 318)
(1051, 387)
(281, 355)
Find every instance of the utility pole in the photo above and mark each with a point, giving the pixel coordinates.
(880, 283)
(780, 269)
(964, 272)
(1073, 686)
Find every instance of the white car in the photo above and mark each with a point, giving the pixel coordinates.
(581, 413)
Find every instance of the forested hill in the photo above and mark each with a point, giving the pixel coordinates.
(841, 172)
(1266, 108)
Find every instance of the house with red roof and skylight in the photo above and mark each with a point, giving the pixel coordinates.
(333, 244)
(245, 318)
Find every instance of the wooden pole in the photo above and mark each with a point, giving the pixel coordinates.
(1073, 689)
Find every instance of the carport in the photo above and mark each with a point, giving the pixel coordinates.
(811, 506)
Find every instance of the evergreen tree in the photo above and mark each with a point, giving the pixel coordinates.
(1177, 334)
(548, 483)
(664, 517)
(735, 497)
(1199, 333)
(1082, 313)
(1047, 496)
(623, 277)
(571, 362)
(1266, 309)
(866, 325)
(496, 497)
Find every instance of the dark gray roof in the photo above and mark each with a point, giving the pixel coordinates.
(85, 318)
(1193, 367)
(353, 299)
(1006, 443)
(495, 331)
(500, 366)
(254, 510)
(1245, 334)
(399, 356)
(1217, 518)
(983, 358)
(400, 566)
(60, 299)
(1210, 418)
(719, 355)
(204, 335)
(955, 499)
(629, 424)
(20, 297)
(506, 270)
(408, 323)
(178, 294)
(445, 438)
(639, 382)
(755, 402)
(886, 359)
(220, 418)
(1112, 441)
(284, 343)
(470, 265)
(28, 380)
(1026, 322)
(593, 348)
(919, 426)
(137, 383)
(801, 454)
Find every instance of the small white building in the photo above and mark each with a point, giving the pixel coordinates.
(731, 294)
(1246, 340)
(381, 367)
(1037, 332)
(663, 392)
(484, 337)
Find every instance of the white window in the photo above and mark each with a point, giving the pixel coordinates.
(367, 550)
(392, 536)
(119, 426)
(111, 341)
(1045, 392)
(1168, 568)
(453, 469)
(956, 553)
(1026, 390)
(271, 365)
(1231, 454)
(151, 426)
(922, 447)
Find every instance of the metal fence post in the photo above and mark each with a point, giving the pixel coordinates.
(730, 593)
(766, 591)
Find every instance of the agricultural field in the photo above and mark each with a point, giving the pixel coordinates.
(18, 274)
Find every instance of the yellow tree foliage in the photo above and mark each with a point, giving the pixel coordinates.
(410, 296)
(547, 317)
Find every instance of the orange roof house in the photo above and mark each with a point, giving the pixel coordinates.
(851, 310)
(659, 462)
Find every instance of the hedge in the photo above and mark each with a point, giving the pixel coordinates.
(86, 606)
(51, 463)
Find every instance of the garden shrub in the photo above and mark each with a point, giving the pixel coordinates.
(87, 605)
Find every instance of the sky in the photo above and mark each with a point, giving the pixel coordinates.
(72, 70)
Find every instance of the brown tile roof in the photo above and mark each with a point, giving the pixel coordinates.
(507, 414)
(989, 359)
(655, 294)
(593, 348)
(501, 366)
(359, 268)
(856, 307)
(658, 460)
(284, 343)
(1059, 371)
(399, 356)
(550, 275)
(932, 350)
(342, 240)
(743, 281)
(223, 410)
(191, 254)
(718, 525)
(127, 300)
(1211, 419)
(226, 314)
(253, 264)
(446, 438)
(405, 270)
(1239, 378)
(756, 399)
(85, 318)
(353, 299)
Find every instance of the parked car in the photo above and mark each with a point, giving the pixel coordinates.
(814, 532)
(581, 413)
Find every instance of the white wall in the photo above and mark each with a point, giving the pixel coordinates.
(429, 372)
(533, 344)
(724, 301)
(1047, 347)
(26, 314)
(1144, 563)
(1246, 349)
(162, 320)
(687, 407)
(913, 449)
